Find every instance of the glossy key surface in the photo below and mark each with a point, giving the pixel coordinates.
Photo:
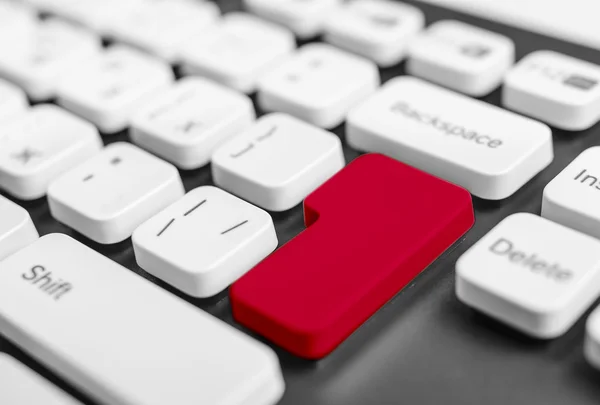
(363, 245)
(21, 386)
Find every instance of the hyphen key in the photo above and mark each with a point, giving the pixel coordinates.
(372, 228)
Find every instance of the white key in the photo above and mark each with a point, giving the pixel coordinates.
(97, 15)
(277, 162)
(489, 151)
(109, 89)
(532, 274)
(376, 29)
(572, 20)
(41, 145)
(187, 122)
(123, 340)
(238, 51)
(160, 27)
(462, 57)
(319, 84)
(21, 386)
(305, 17)
(592, 339)
(573, 197)
(12, 101)
(555, 88)
(205, 241)
(109, 196)
(16, 230)
(57, 47)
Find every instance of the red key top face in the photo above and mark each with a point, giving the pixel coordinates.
(371, 229)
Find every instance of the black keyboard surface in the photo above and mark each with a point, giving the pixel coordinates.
(424, 346)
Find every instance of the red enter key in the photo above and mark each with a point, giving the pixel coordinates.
(371, 229)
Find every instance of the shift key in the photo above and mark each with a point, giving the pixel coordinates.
(123, 340)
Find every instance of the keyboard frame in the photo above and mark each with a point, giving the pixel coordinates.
(424, 346)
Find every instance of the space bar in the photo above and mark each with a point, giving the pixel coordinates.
(123, 340)
(570, 20)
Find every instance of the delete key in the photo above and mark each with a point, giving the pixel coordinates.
(532, 274)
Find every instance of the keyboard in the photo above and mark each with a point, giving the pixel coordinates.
(288, 202)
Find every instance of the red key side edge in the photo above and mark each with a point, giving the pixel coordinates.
(372, 228)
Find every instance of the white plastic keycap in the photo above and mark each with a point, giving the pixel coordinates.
(188, 121)
(205, 241)
(489, 151)
(110, 195)
(12, 101)
(573, 197)
(461, 57)
(39, 146)
(532, 274)
(21, 386)
(319, 84)
(109, 89)
(123, 340)
(56, 48)
(573, 21)
(380, 30)
(277, 162)
(305, 18)
(555, 88)
(238, 51)
(162, 26)
(16, 229)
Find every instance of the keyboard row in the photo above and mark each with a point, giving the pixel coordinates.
(277, 160)
(117, 193)
(52, 58)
